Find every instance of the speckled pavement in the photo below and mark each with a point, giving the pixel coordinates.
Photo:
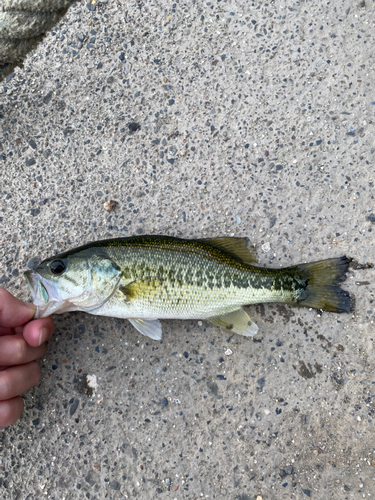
(197, 119)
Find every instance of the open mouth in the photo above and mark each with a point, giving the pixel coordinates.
(45, 296)
(40, 295)
(38, 290)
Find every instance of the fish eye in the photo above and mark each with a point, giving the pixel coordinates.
(57, 267)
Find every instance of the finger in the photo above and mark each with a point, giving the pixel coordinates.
(38, 331)
(14, 350)
(10, 411)
(18, 379)
(14, 312)
(6, 331)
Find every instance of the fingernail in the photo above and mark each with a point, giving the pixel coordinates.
(43, 334)
(31, 306)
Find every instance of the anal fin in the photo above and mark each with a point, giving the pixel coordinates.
(148, 327)
(237, 321)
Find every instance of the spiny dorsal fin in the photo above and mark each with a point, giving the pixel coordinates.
(236, 246)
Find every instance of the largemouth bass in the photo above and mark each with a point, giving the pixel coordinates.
(145, 278)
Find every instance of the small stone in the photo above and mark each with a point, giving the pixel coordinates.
(30, 162)
(266, 247)
(272, 220)
(115, 485)
(238, 219)
(289, 469)
(164, 402)
(307, 492)
(74, 407)
(167, 481)
(371, 218)
(133, 126)
(110, 205)
(228, 352)
(183, 152)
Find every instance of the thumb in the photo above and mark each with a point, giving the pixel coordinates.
(14, 312)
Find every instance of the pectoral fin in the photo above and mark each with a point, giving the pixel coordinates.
(141, 288)
(237, 321)
(148, 327)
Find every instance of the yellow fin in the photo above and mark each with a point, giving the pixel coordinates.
(141, 288)
(235, 246)
(237, 321)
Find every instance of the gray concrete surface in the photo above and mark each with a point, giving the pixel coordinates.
(255, 119)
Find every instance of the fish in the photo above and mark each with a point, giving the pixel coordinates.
(147, 278)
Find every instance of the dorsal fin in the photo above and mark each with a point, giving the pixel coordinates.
(235, 246)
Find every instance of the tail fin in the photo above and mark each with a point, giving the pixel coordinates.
(323, 290)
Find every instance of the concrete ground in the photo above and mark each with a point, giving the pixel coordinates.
(198, 119)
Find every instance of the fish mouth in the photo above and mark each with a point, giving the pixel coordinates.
(37, 289)
(42, 294)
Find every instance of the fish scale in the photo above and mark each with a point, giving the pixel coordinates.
(145, 278)
(191, 285)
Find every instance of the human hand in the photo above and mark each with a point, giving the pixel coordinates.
(22, 342)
